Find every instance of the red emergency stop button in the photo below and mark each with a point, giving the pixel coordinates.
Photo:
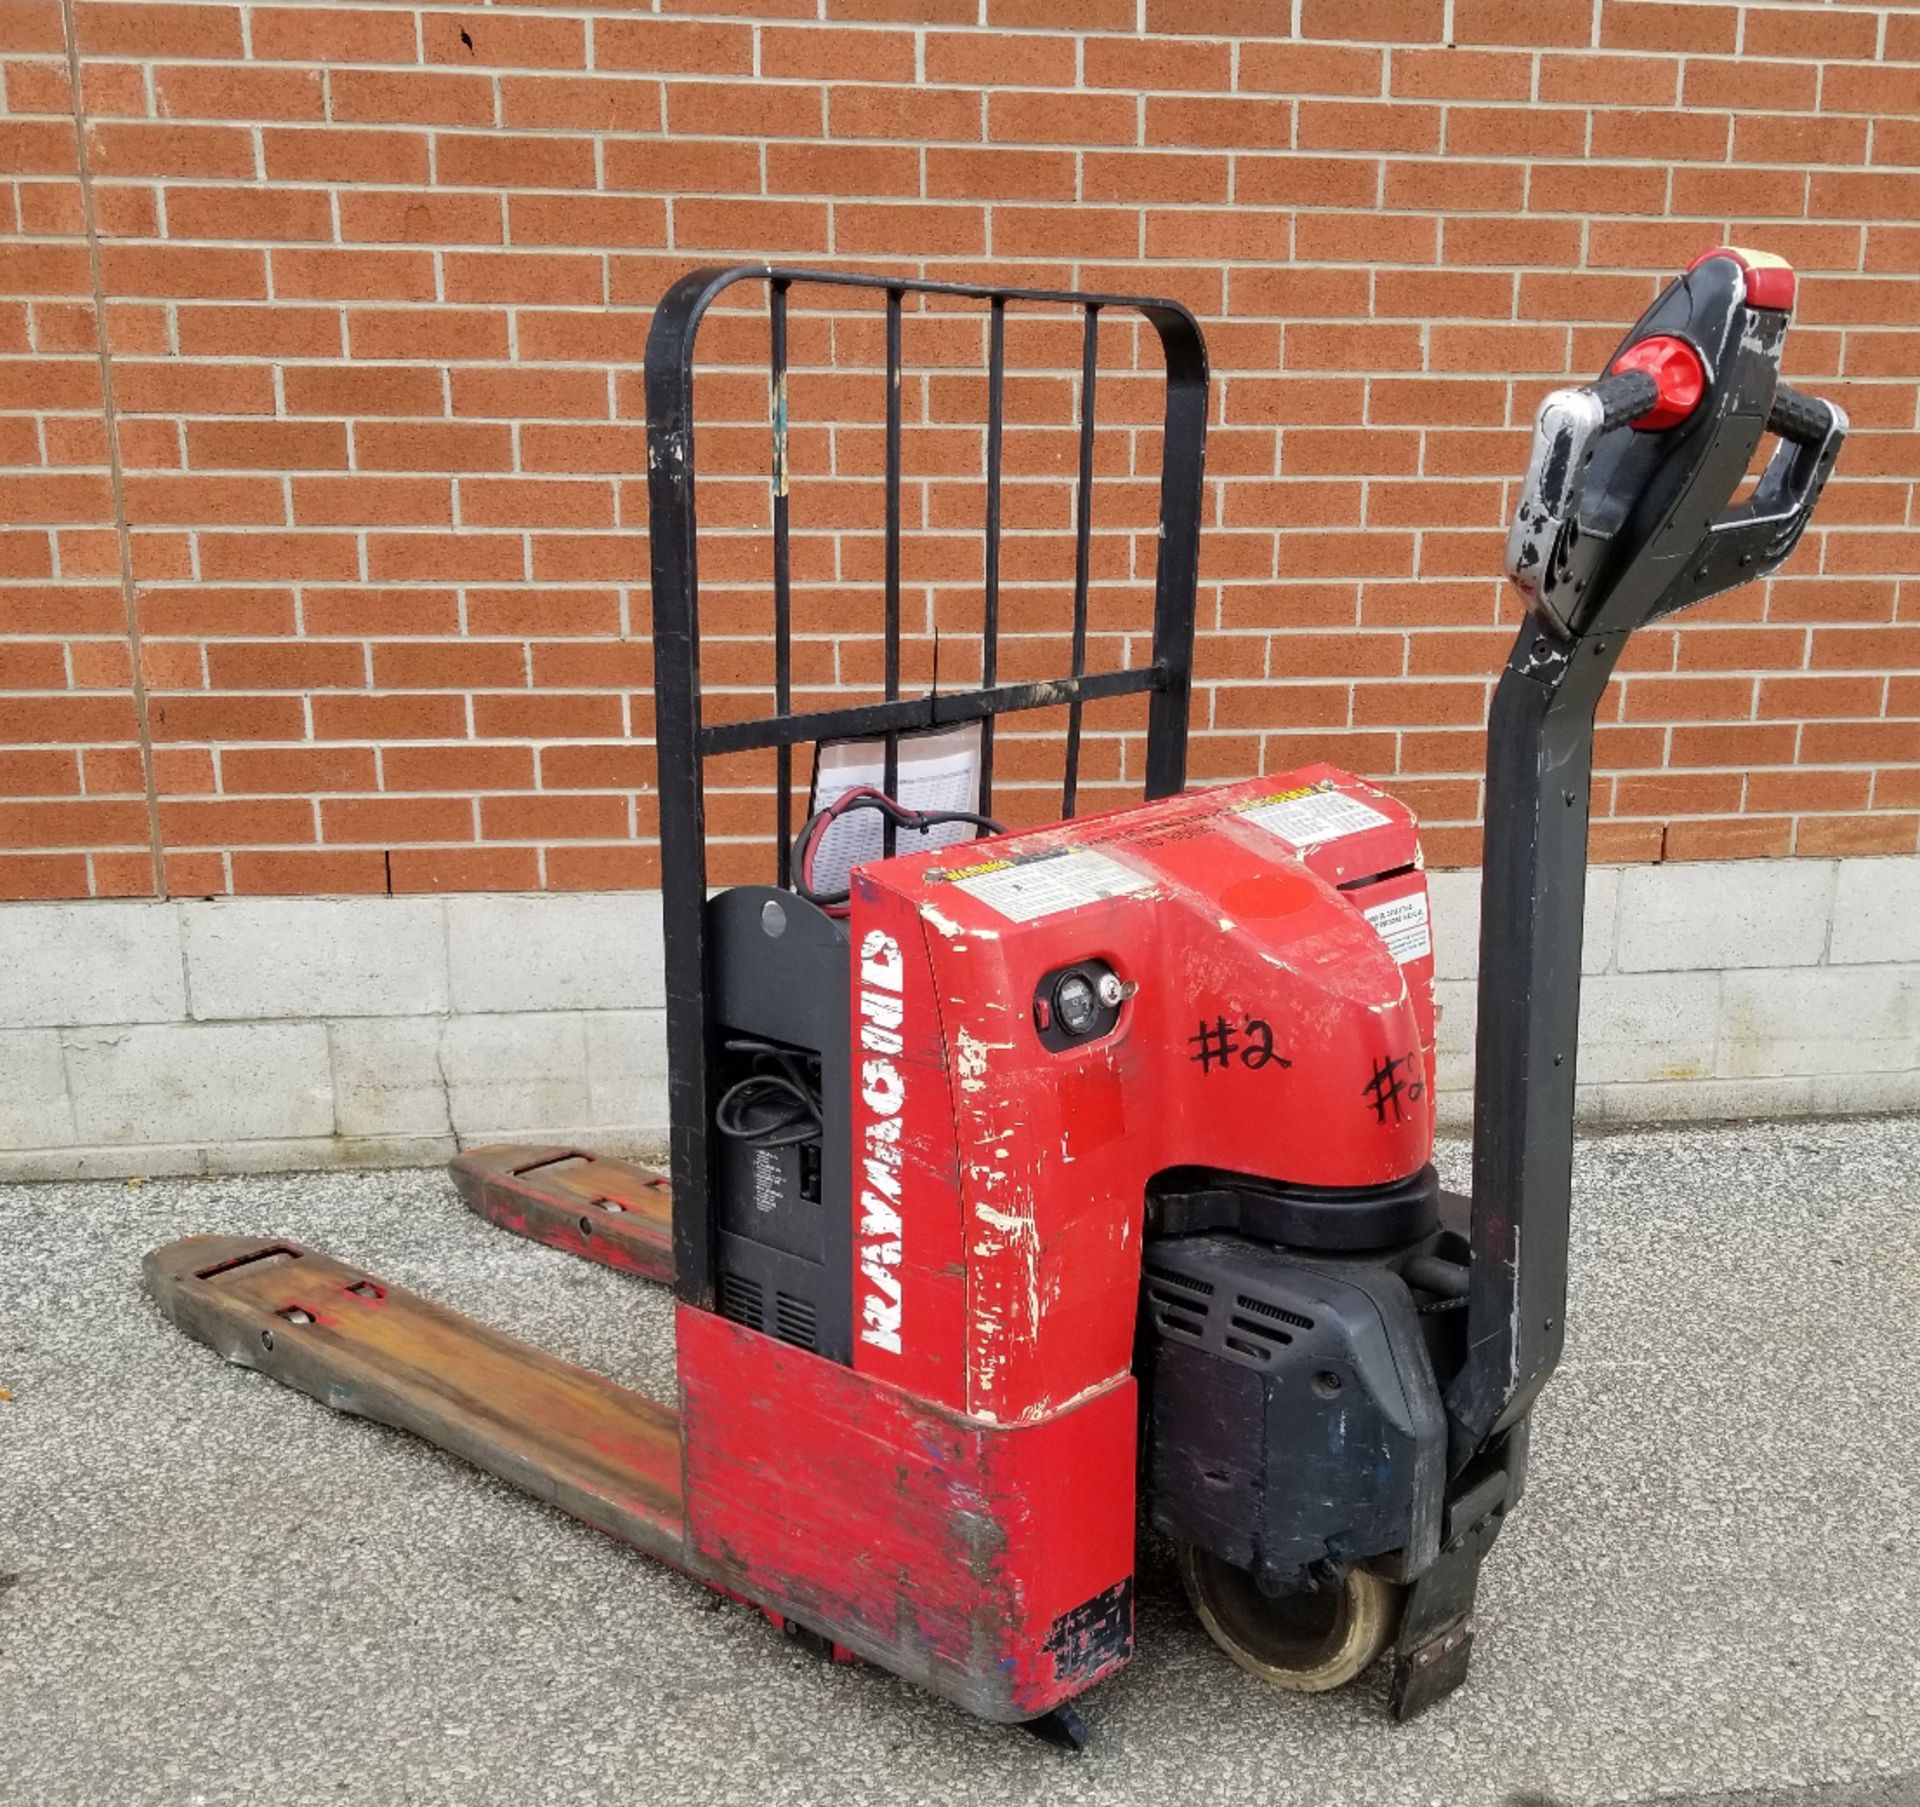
(1676, 370)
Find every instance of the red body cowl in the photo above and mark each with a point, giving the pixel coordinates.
(1278, 1024)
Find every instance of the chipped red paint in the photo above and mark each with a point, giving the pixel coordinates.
(602, 1210)
(943, 1548)
(960, 1507)
(1018, 1294)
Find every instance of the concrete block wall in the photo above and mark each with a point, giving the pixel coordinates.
(243, 1034)
(235, 1034)
(1725, 989)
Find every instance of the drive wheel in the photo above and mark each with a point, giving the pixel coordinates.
(1307, 1642)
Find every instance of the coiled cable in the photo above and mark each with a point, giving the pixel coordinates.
(777, 1104)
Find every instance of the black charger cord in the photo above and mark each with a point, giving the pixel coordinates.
(778, 1104)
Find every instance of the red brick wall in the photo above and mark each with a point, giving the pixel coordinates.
(360, 502)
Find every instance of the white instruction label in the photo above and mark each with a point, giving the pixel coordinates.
(769, 1187)
(1307, 818)
(1403, 926)
(1045, 887)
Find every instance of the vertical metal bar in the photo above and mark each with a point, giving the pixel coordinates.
(1083, 541)
(1177, 559)
(891, 783)
(996, 420)
(782, 583)
(673, 541)
(1532, 892)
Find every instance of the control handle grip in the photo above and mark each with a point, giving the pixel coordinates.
(1624, 397)
(1628, 394)
(1804, 419)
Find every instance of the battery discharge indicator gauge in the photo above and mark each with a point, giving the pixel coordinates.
(1076, 1005)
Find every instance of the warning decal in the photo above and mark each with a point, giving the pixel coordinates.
(1046, 886)
(1403, 926)
(1307, 818)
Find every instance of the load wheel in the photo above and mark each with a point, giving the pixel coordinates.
(1308, 1642)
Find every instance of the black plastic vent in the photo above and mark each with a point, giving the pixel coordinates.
(1190, 1282)
(793, 1321)
(1267, 1333)
(1179, 1303)
(1219, 1293)
(741, 1299)
(1266, 1309)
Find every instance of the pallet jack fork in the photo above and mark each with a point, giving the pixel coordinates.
(606, 1211)
(1047, 1178)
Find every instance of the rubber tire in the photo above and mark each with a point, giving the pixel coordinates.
(1365, 1613)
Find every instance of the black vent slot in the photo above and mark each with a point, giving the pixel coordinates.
(1176, 1313)
(1279, 1314)
(741, 1299)
(1190, 1282)
(793, 1321)
(1267, 1333)
(1222, 1294)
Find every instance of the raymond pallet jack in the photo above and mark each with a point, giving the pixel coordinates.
(1025, 1185)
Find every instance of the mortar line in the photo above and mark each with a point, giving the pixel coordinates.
(110, 420)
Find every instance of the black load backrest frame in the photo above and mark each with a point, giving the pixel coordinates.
(684, 742)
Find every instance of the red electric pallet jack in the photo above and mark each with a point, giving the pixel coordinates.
(1028, 1184)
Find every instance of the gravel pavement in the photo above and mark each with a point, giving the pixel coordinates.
(214, 1591)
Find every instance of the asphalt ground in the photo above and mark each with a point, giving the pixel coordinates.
(215, 1591)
